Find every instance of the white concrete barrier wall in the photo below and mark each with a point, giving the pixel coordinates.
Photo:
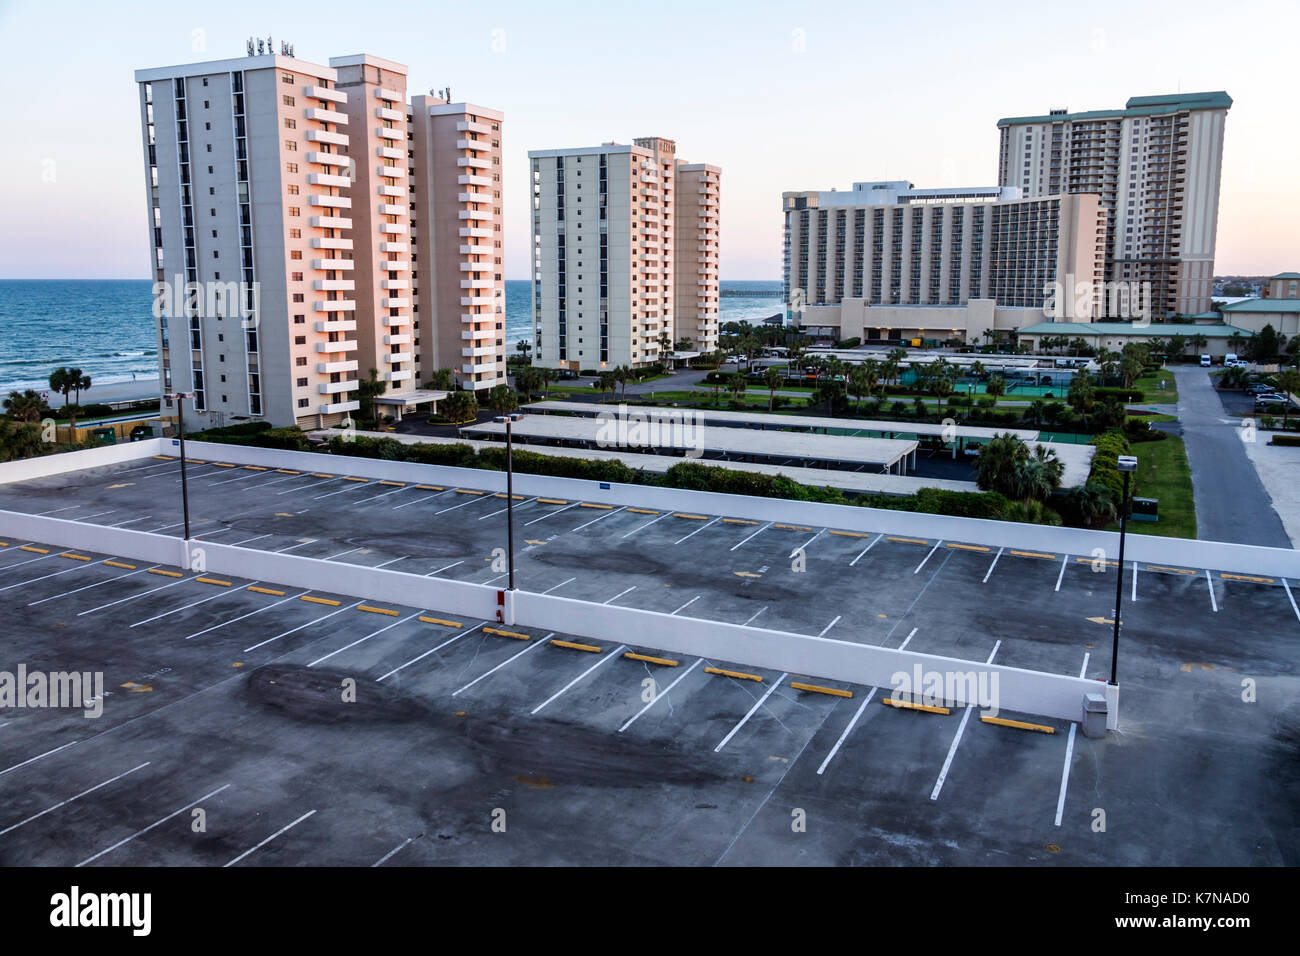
(47, 465)
(1154, 549)
(1030, 692)
(1019, 691)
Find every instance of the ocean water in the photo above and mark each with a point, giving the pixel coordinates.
(105, 327)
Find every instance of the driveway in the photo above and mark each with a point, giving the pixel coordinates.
(1231, 502)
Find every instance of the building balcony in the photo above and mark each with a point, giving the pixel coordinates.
(328, 159)
(477, 283)
(399, 339)
(320, 242)
(474, 197)
(392, 192)
(328, 179)
(384, 113)
(468, 250)
(478, 335)
(336, 325)
(394, 265)
(339, 407)
(393, 247)
(395, 321)
(334, 305)
(470, 369)
(329, 222)
(392, 228)
(331, 348)
(381, 93)
(478, 145)
(324, 93)
(334, 285)
(329, 368)
(389, 152)
(388, 209)
(471, 163)
(468, 180)
(333, 388)
(327, 264)
(479, 352)
(400, 302)
(330, 202)
(391, 172)
(325, 136)
(472, 232)
(477, 215)
(478, 300)
(326, 116)
(398, 375)
(384, 132)
(396, 358)
(468, 126)
(394, 284)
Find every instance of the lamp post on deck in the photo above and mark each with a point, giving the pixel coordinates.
(1127, 465)
(179, 398)
(509, 420)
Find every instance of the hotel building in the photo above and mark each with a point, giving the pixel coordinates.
(1155, 166)
(625, 254)
(886, 261)
(281, 220)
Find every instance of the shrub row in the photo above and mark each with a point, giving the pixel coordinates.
(1105, 463)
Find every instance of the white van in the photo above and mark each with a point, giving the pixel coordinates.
(1230, 359)
(1205, 361)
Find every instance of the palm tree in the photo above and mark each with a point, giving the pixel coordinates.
(25, 406)
(83, 382)
(1289, 382)
(548, 376)
(772, 379)
(606, 383)
(1081, 395)
(1035, 411)
(1198, 342)
(622, 373)
(736, 385)
(995, 467)
(63, 382)
(996, 387)
(528, 380)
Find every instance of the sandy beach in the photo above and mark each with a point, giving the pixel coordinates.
(114, 392)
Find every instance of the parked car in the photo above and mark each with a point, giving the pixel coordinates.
(1205, 361)
(1278, 402)
(1259, 388)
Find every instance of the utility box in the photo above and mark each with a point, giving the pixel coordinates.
(1094, 715)
(1145, 509)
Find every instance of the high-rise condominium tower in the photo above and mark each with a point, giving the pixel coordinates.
(281, 221)
(1156, 166)
(625, 249)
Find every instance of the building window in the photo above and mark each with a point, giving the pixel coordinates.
(294, 210)
(300, 340)
(295, 254)
(302, 383)
(297, 297)
(287, 100)
(293, 189)
(286, 78)
(300, 361)
(290, 123)
(290, 146)
(290, 167)
(296, 276)
(295, 233)
(299, 319)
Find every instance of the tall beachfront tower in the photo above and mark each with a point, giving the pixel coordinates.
(1156, 166)
(456, 209)
(607, 223)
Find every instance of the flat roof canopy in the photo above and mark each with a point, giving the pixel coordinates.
(417, 397)
(771, 420)
(882, 452)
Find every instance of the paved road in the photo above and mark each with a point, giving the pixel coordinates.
(1231, 503)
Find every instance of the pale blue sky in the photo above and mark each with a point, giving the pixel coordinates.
(780, 95)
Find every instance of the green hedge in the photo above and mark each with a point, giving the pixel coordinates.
(1123, 394)
(1285, 440)
(1105, 465)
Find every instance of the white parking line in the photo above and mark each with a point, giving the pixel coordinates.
(432, 650)
(961, 728)
(501, 511)
(251, 474)
(755, 614)
(698, 530)
(1135, 581)
(300, 627)
(362, 640)
(158, 823)
(300, 544)
(992, 566)
(314, 484)
(256, 537)
(394, 561)
(63, 803)
(464, 504)
(503, 664)
(619, 594)
(865, 550)
(341, 553)
(612, 656)
(743, 540)
(42, 514)
(186, 607)
(135, 596)
(351, 486)
(907, 640)
(19, 564)
(928, 556)
(39, 757)
(648, 524)
(1069, 753)
(1209, 583)
(55, 597)
(847, 730)
(663, 693)
(384, 494)
(80, 567)
(445, 567)
(552, 514)
(1291, 598)
(271, 837)
(393, 852)
(744, 720)
(688, 603)
(804, 547)
(830, 625)
(1065, 559)
(418, 501)
(276, 481)
(599, 518)
(119, 524)
(249, 614)
(98, 514)
(560, 585)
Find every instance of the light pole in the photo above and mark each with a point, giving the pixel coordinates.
(509, 420)
(1127, 465)
(179, 399)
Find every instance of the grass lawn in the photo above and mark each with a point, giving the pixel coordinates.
(1163, 473)
(1153, 394)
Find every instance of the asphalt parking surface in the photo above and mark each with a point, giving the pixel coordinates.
(227, 697)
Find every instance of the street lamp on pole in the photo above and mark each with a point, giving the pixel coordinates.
(1127, 465)
(509, 420)
(179, 398)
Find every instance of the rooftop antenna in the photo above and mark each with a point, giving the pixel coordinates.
(250, 46)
